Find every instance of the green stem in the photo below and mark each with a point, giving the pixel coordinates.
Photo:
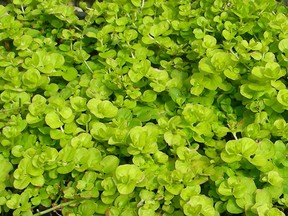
(56, 207)
(234, 135)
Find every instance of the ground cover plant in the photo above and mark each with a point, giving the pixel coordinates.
(144, 108)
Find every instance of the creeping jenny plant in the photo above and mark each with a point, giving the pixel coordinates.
(145, 107)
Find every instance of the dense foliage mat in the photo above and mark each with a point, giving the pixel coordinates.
(145, 107)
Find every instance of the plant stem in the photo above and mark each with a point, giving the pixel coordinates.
(56, 207)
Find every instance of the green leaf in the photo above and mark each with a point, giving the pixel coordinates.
(274, 178)
(232, 74)
(94, 158)
(149, 96)
(190, 191)
(100, 131)
(31, 78)
(175, 189)
(230, 158)
(109, 163)
(282, 97)
(283, 45)
(22, 2)
(6, 168)
(276, 212)
(130, 34)
(69, 192)
(139, 70)
(109, 186)
(273, 71)
(266, 148)
(232, 207)
(248, 147)
(192, 210)
(143, 140)
(67, 168)
(14, 201)
(222, 61)
(108, 54)
(87, 207)
(122, 21)
(22, 183)
(206, 66)
(146, 212)
(161, 157)
(263, 197)
(209, 41)
(78, 103)
(69, 73)
(102, 109)
(38, 181)
(235, 149)
(199, 34)
(136, 3)
(177, 96)
(225, 189)
(82, 139)
(246, 91)
(52, 119)
(3, 10)
(126, 188)
(127, 176)
(66, 112)
(23, 42)
(159, 29)
(66, 156)
(259, 160)
(174, 139)
(199, 204)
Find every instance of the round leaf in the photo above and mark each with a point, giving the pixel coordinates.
(52, 119)
(282, 97)
(283, 45)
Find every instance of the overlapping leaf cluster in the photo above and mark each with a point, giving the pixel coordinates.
(144, 107)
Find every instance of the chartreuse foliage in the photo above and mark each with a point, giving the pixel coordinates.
(145, 107)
